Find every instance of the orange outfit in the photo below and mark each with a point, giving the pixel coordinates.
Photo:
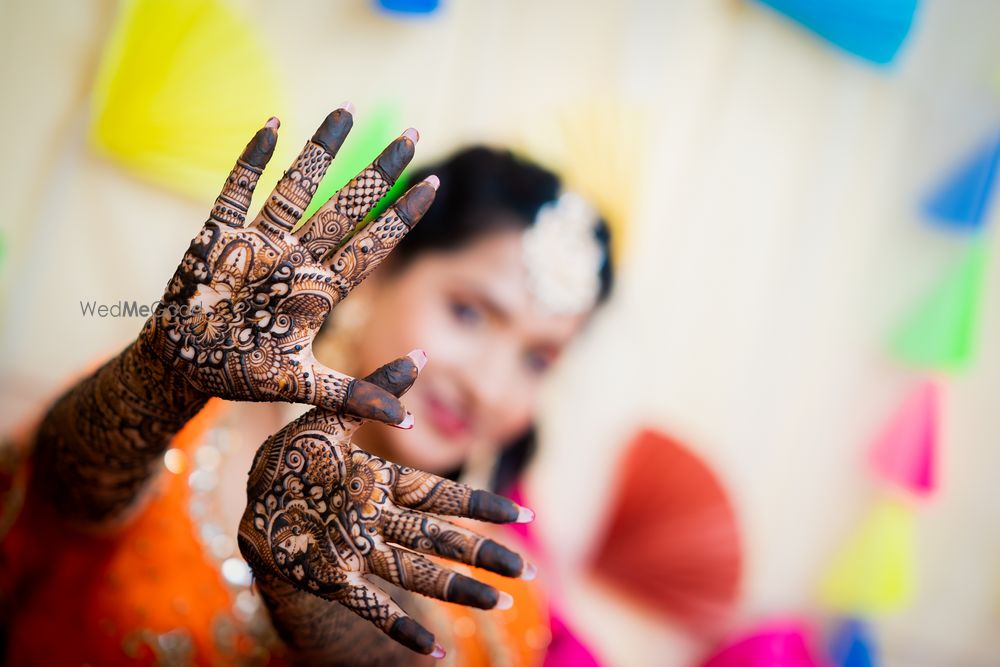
(152, 593)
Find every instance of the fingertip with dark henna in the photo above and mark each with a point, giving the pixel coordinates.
(393, 160)
(471, 593)
(334, 129)
(412, 205)
(495, 557)
(487, 506)
(412, 635)
(260, 149)
(368, 401)
(396, 376)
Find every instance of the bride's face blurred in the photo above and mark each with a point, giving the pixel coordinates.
(489, 346)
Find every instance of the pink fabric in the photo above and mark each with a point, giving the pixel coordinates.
(565, 649)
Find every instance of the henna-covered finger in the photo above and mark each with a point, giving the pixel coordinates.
(375, 605)
(430, 535)
(233, 203)
(290, 197)
(348, 396)
(358, 257)
(397, 376)
(420, 575)
(338, 217)
(427, 492)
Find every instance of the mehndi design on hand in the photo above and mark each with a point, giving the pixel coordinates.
(240, 314)
(323, 514)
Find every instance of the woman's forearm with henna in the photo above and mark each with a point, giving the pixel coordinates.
(97, 446)
(318, 632)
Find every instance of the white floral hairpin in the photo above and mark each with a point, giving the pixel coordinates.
(562, 255)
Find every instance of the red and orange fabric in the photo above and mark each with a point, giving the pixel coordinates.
(150, 593)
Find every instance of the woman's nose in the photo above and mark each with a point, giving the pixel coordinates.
(490, 377)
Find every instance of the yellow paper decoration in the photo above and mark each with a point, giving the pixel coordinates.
(874, 572)
(599, 148)
(182, 87)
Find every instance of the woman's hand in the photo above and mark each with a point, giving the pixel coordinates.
(239, 316)
(323, 515)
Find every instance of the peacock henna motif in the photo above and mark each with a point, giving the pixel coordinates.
(323, 514)
(239, 315)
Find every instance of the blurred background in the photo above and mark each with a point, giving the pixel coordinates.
(806, 310)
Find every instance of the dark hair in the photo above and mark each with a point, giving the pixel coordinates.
(486, 190)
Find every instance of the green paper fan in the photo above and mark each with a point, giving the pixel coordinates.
(940, 335)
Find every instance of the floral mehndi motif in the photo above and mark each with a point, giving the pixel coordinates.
(240, 313)
(323, 514)
(237, 321)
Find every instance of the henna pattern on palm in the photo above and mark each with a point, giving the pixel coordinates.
(323, 515)
(240, 313)
(237, 321)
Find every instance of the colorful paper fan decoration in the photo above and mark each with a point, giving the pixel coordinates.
(783, 643)
(873, 574)
(962, 202)
(416, 7)
(871, 29)
(941, 334)
(852, 645)
(672, 539)
(905, 452)
(598, 148)
(372, 132)
(182, 86)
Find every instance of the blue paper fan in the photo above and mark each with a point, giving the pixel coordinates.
(962, 201)
(852, 645)
(407, 6)
(871, 29)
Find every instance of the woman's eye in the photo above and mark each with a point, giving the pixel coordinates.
(465, 312)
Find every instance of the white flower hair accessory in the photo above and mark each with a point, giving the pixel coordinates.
(562, 255)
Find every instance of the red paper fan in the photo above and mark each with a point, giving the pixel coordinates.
(672, 539)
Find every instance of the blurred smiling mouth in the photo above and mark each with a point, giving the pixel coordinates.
(446, 420)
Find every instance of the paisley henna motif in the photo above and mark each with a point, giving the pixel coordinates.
(323, 514)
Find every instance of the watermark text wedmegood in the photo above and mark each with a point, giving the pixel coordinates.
(134, 309)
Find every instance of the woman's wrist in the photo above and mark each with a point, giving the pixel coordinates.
(147, 374)
(98, 444)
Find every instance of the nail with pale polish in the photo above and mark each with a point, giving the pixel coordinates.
(348, 107)
(438, 652)
(530, 572)
(524, 515)
(412, 135)
(273, 123)
(407, 422)
(433, 181)
(419, 358)
(505, 601)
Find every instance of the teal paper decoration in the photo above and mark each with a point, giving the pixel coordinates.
(871, 29)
